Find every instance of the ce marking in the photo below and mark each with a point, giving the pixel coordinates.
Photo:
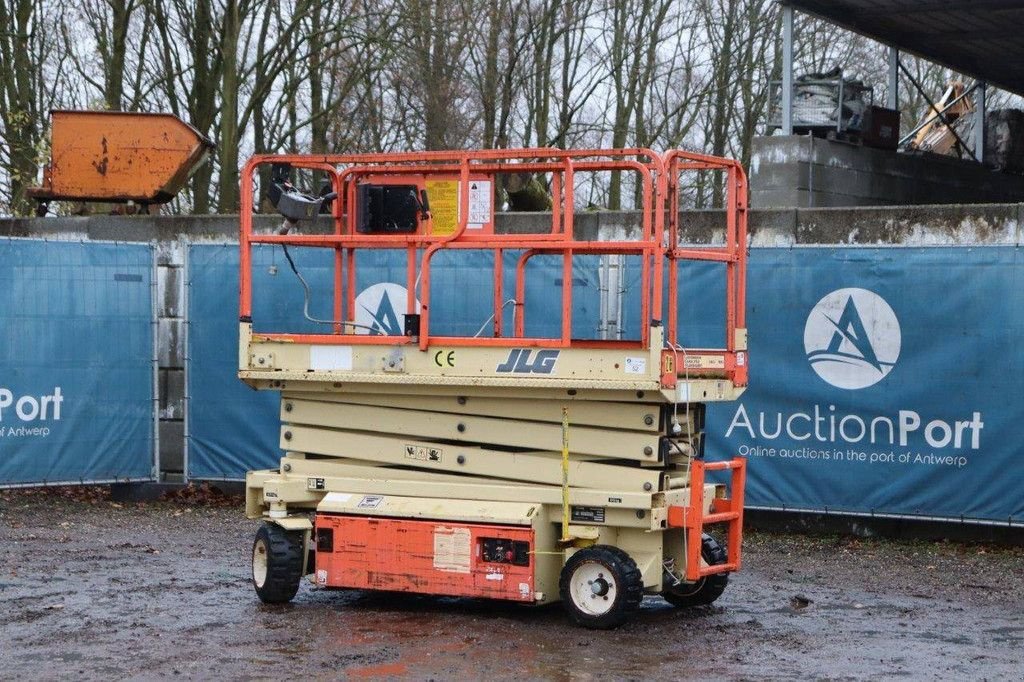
(444, 358)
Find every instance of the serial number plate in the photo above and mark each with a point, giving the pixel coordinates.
(588, 514)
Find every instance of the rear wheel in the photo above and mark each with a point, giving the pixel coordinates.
(707, 589)
(276, 563)
(600, 587)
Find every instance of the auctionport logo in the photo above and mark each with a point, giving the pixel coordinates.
(852, 338)
(380, 309)
(29, 415)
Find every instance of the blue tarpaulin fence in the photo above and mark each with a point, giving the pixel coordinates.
(76, 362)
(883, 380)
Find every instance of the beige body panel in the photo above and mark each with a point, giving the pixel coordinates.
(608, 415)
(468, 511)
(496, 464)
(328, 418)
(452, 434)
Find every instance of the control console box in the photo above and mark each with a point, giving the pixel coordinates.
(428, 557)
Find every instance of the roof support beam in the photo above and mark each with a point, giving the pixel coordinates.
(892, 99)
(787, 69)
(979, 122)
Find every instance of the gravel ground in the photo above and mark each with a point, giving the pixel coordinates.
(96, 589)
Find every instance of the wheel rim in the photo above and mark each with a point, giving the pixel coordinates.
(259, 562)
(593, 588)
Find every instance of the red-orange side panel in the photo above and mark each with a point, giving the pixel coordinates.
(427, 557)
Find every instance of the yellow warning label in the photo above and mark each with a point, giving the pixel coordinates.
(668, 364)
(443, 196)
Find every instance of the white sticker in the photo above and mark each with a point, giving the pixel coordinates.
(495, 576)
(321, 577)
(524, 589)
(741, 359)
(327, 358)
(636, 365)
(481, 204)
(337, 497)
(452, 549)
(684, 392)
(370, 502)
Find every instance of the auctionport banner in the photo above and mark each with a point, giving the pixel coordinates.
(76, 362)
(883, 380)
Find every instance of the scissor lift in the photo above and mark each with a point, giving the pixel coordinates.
(497, 465)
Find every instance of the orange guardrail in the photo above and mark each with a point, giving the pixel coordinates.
(657, 246)
(727, 510)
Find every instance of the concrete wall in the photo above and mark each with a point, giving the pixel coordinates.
(902, 225)
(804, 171)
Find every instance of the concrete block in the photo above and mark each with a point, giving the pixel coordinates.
(171, 340)
(802, 198)
(172, 394)
(912, 225)
(171, 253)
(609, 225)
(172, 445)
(773, 227)
(832, 173)
(795, 174)
(170, 292)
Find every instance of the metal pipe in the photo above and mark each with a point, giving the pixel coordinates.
(155, 308)
(565, 474)
(1009, 523)
(934, 116)
(186, 397)
(979, 120)
(787, 69)
(892, 99)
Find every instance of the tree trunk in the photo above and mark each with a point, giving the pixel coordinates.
(18, 111)
(229, 137)
(113, 76)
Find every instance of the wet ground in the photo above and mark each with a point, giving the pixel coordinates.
(96, 589)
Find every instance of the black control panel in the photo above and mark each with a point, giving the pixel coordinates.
(388, 209)
(499, 551)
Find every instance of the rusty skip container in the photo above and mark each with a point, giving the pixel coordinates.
(115, 156)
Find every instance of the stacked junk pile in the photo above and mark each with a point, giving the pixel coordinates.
(829, 104)
(948, 128)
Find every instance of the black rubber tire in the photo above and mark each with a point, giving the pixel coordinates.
(627, 578)
(709, 588)
(283, 552)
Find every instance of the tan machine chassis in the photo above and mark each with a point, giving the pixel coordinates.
(498, 465)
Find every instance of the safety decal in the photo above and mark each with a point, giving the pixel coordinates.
(424, 453)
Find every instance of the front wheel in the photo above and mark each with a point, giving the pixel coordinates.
(600, 587)
(276, 563)
(707, 589)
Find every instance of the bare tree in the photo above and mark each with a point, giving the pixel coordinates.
(636, 39)
(27, 92)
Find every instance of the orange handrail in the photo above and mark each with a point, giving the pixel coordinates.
(657, 246)
(727, 510)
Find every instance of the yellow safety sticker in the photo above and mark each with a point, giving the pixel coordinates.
(443, 196)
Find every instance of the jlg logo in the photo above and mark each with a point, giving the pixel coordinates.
(519, 362)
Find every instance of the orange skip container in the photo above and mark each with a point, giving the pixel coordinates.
(117, 156)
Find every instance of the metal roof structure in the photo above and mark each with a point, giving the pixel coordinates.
(980, 38)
